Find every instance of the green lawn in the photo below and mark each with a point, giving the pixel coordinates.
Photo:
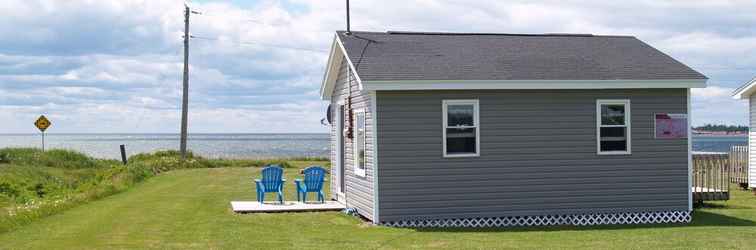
(190, 209)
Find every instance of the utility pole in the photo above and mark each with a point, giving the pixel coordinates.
(185, 99)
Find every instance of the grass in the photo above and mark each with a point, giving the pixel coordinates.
(28, 176)
(189, 209)
(36, 184)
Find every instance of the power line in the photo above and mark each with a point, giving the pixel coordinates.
(261, 44)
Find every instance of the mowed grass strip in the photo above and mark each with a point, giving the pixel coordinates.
(35, 184)
(189, 209)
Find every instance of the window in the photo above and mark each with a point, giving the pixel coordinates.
(359, 142)
(613, 126)
(461, 128)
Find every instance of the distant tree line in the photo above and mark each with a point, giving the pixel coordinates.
(720, 127)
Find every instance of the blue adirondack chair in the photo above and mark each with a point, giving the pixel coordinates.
(272, 182)
(313, 183)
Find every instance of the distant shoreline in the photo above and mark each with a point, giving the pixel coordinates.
(721, 135)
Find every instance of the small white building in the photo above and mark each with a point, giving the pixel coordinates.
(748, 92)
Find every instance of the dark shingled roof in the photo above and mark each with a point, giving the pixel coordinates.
(468, 56)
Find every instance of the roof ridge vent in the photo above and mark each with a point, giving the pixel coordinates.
(569, 34)
(393, 32)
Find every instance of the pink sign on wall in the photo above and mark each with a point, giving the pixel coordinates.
(671, 126)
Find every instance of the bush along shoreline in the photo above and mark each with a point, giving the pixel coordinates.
(36, 184)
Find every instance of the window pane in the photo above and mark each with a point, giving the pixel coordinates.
(613, 132)
(360, 121)
(359, 141)
(613, 145)
(460, 115)
(613, 139)
(613, 114)
(460, 140)
(361, 155)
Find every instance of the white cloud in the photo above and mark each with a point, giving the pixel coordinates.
(715, 105)
(118, 63)
(712, 92)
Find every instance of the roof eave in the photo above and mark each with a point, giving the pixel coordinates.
(325, 95)
(745, 91)
(531, 84)
(337, 54)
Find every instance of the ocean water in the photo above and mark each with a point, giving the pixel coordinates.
(706, 143)
(251, 146)
(239, 145)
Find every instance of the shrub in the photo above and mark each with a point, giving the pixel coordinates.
(162, 161)
(56, 158)
(160, 154)
(170, 159)
(221, 163)
(4, 157)
(8, 190)
(39, 190)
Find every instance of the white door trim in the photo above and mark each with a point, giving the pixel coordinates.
(340, 197)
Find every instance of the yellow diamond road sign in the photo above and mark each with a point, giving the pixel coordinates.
(42, 123)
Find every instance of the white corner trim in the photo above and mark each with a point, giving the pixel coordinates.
(531, 84)
(751, 170)
(628, 125)
(690, 153)
(746, 90)
(374, 124)
(338, 53)
(476, 117)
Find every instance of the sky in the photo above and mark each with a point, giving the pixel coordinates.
(115, 66)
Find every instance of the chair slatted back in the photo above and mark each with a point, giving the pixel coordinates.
(313, 178)
(272, 177)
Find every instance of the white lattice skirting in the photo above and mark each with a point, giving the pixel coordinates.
(551, 220)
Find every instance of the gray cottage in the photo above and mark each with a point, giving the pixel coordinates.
(463, 129)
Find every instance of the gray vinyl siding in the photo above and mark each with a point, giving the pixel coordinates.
(359, 190)
(752, 143)
(537, 156)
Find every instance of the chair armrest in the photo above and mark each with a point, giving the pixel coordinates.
(257, 180)
(299, 183)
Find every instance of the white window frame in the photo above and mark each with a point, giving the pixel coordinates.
(359, 170)
(476, 125)
(628, 125)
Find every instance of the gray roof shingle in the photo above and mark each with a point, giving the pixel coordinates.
(468, 56)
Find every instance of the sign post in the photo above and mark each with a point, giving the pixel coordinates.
(42, 124)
